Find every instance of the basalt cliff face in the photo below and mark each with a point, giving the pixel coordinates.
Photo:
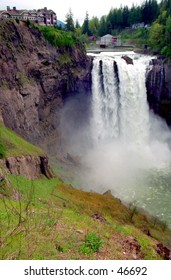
(35, 78)
(158, 85)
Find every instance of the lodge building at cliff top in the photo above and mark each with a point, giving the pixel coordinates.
(41, 16)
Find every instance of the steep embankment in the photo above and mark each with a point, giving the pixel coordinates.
(35, 78)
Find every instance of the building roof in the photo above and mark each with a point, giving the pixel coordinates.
(46, 11)
(15, 12)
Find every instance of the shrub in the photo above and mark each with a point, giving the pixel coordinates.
(58, 38)
(92, 243)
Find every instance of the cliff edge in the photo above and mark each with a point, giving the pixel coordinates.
(35, 78)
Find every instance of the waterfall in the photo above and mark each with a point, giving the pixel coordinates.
(105, 103)
(120, 143)
(119, 111)
(131, 154)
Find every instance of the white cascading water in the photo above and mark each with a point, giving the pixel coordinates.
(119, 110)
(105, 101)
(131, 153)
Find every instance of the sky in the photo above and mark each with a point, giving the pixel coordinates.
(78, 7)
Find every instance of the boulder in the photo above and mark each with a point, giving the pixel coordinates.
(127, 59)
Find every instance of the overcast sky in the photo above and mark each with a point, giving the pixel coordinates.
(78, 7)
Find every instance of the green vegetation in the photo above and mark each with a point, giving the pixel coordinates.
(124, 22)
(145, 25)
(120, 18)
(48, 219)
(92, 244)
(13, 145)
(58, 38)
(2, 148)
(160, 33)
(135, 37)
(65, 59)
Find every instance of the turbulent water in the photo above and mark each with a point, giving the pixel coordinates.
(119, 103)
(127, 147)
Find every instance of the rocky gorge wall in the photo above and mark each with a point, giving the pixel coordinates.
(158, 85)
(35, 78)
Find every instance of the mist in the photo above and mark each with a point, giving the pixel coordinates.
(116, 163)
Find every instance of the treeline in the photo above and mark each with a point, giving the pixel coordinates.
(124, 17)
(156, 16)
(116, 20)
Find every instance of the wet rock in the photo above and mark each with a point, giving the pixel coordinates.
(127, 59)
(158, 84)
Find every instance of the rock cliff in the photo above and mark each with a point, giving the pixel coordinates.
(35, 78)
(31, 167)
(158, 84)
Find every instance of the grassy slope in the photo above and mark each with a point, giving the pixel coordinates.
(15, 145)
(49, 219)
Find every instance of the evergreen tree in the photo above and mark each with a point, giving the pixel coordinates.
(94, 26)
(135, 15)
(69, 21)
(150, 11)
(77, 25)
(85, 27)
(125, 16)
(102, 26)
(166, 6)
